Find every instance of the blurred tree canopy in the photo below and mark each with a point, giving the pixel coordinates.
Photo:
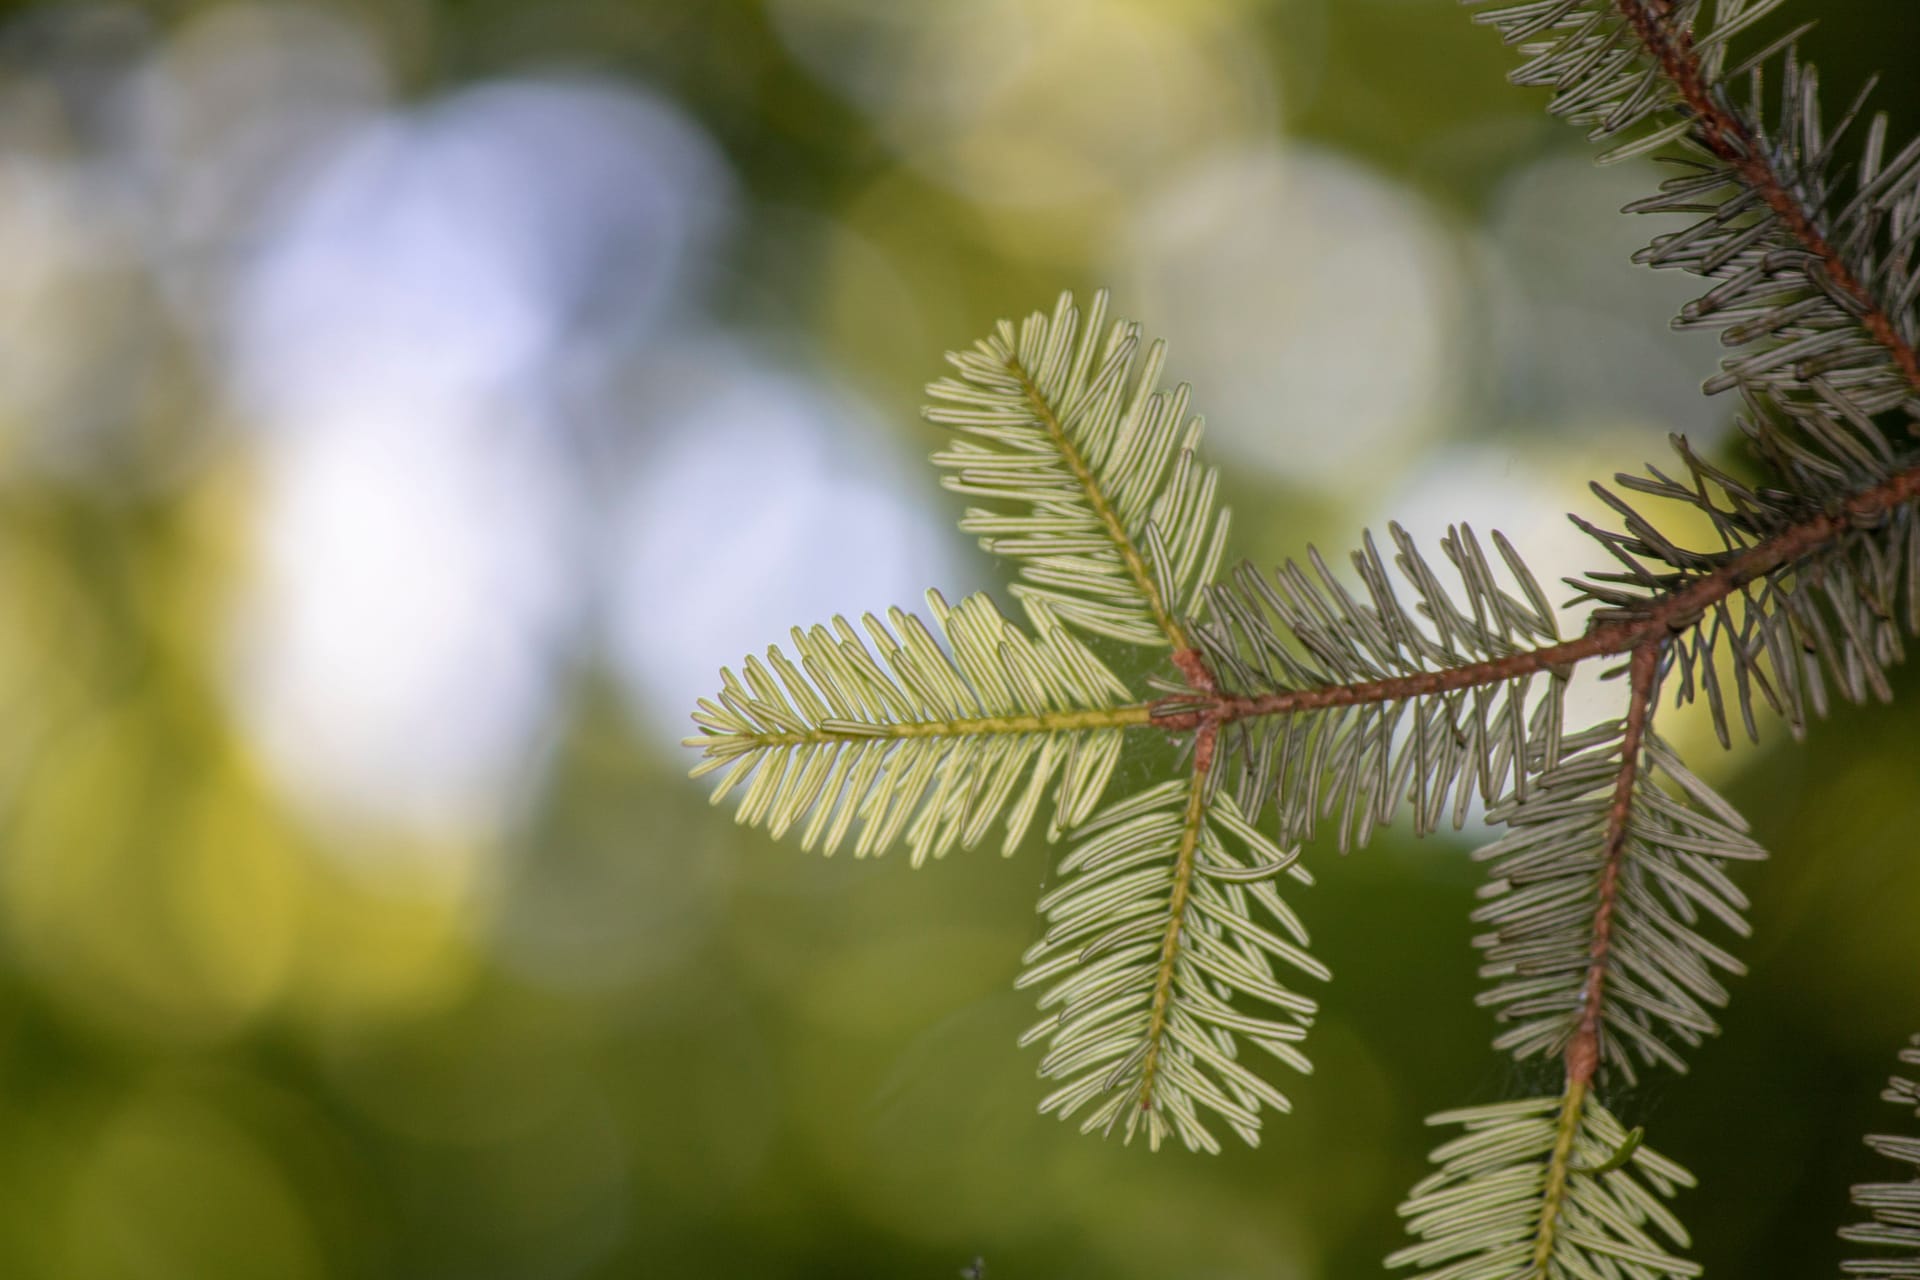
(377, 384)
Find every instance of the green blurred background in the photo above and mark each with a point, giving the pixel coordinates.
(405, 408)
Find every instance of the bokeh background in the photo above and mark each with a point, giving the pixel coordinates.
(407, 405)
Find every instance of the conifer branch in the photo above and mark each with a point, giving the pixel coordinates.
(1154, 932)
(1309, 698)
(1529, 1192)
(933, 745)
(1583, 1050)
(1597, 888)
(1097, 494)
(1167, 965)
(1894, 1206)
(1301, 630)
(1729, 136)
(1602, 875)
(1814, 288)
(1130, 557)
(1597, 897)
(1654, 617)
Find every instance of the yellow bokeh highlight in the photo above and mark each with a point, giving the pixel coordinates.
(173, 1189)
(378, 948)
(1050, 117)
(154, 882)
(150, 899)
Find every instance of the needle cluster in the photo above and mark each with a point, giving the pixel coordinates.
(1412, 685)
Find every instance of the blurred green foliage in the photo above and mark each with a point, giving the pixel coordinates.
(611, 1035)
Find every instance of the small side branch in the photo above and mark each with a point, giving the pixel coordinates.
(1723, 132)
(1893, 1207)
(1659, 620)
(1583, 1050)
(1136, 564)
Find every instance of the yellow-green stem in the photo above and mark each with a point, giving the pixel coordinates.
(1047, 722)
(1177, 908)
(1109, 519)
(1559, 1166)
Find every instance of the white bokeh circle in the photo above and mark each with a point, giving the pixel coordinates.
(1311, 302)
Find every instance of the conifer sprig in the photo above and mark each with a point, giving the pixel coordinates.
(1894, 1206)
(1300, 692)
(1810, 283)
(1599, 894)
(1096, 492)
(1167, 924)
(1301, 630)
(1826, 619)
(1544, 1188)
(1597, 887)
(924, 743)
(1169, 915)
(1604, 872)
(1313, 698)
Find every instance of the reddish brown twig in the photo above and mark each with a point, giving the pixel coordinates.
(1583, 1050)
(1663, 616)
(1723, 132)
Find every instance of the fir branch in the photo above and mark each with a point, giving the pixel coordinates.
(1583, 1050)
(1540, 1188)
(1806, 289)
(1894, 1206)
(1655, 614)
(1151, 937)
(1303, 631)
(1596, 891)
(1113, 523)
(932, 746)
(1167, 965)
(1770, 172)
(1597, 894)
(1830, 617)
